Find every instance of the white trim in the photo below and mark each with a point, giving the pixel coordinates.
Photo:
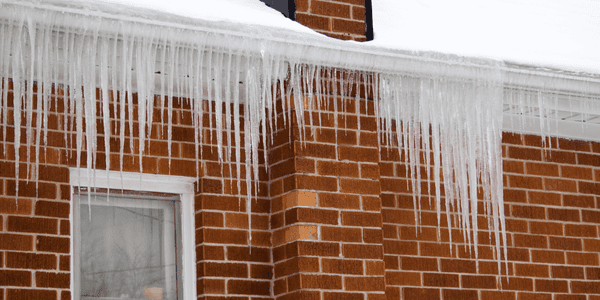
(184, 186)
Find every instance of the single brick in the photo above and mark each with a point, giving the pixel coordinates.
(16, 242)
(362, 251)
(52, 244)
(20, 260)
(440, 280)
(248, 287)
(364, 283)
(52, 280)
(342, 266)
(21, 294)
(330, 282)
(32, 225)
(52, 209)
(418, 264)
(567, 272)
(341, 234)
(420, 293)
(14, 206)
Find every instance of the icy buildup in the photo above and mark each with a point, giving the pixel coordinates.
(446, 110)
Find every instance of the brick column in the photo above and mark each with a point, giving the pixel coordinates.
(326, 210)
(341, 19)
(226, 265)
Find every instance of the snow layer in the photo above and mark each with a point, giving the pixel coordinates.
(548, 33)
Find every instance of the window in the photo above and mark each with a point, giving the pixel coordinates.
(135, 243)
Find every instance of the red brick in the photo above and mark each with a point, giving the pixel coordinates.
(32, 225)
(565, 243)
(419, 264)
(15, 278)
(553, 286)
(261, 271)
(585, 287)
(238, 270)
(20, 294)
(362, 219)
(579, 201)
(314, 22)
(563, 214)
(560, 185)
(581, 230)
(532, 270)
(517, 283)
(244, 254)
(458, 266)
(544, 198)
(344, 169)
(460, 294)
(434, 249)
(225, 236)
(534, 296)
(318, 249)
(513, 166)
(52, 209)
(403, 278)
(14, 206)
(576, 172)
(578, 258)
(588, 159)
(342, 201)
(362, 251)
(52, 280)
(478, 282)
(330, 9)
(316, 183)
(525, 153)
(16, 242)
(546, 228)
(359, 154)
(342, 266)
(556, 257)
(20, 260)
(497, 295)
(525, 182)
(52, 244)
(592, 273)
(248, 287)
(528, 212)
(567, 272)
(589, 188)
(563, 157)
(543, 169)
(419, 293)
(360, 186)
(341, 234)
(64, 263)
(401, 247)
(530, 241)
(511, 195)
(441, 280)
(364, 283)
(329, 282)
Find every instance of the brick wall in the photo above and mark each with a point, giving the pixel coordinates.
(552, 215)
(341, 19)
(34, 227)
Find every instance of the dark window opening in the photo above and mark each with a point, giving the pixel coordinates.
(286, 7)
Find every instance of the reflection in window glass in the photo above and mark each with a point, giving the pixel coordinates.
(128, 248)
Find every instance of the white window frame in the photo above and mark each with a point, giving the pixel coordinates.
(112, 180)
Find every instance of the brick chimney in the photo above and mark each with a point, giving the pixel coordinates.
(341, 19)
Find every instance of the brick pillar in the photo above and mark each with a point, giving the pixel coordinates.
(326, 210)
(341, 19)
(226, 266)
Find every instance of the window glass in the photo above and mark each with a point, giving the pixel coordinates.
(129, 247)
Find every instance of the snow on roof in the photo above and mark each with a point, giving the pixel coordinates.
(245, 12)
(548, 33)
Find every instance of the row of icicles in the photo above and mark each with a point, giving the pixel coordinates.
(457, 122)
